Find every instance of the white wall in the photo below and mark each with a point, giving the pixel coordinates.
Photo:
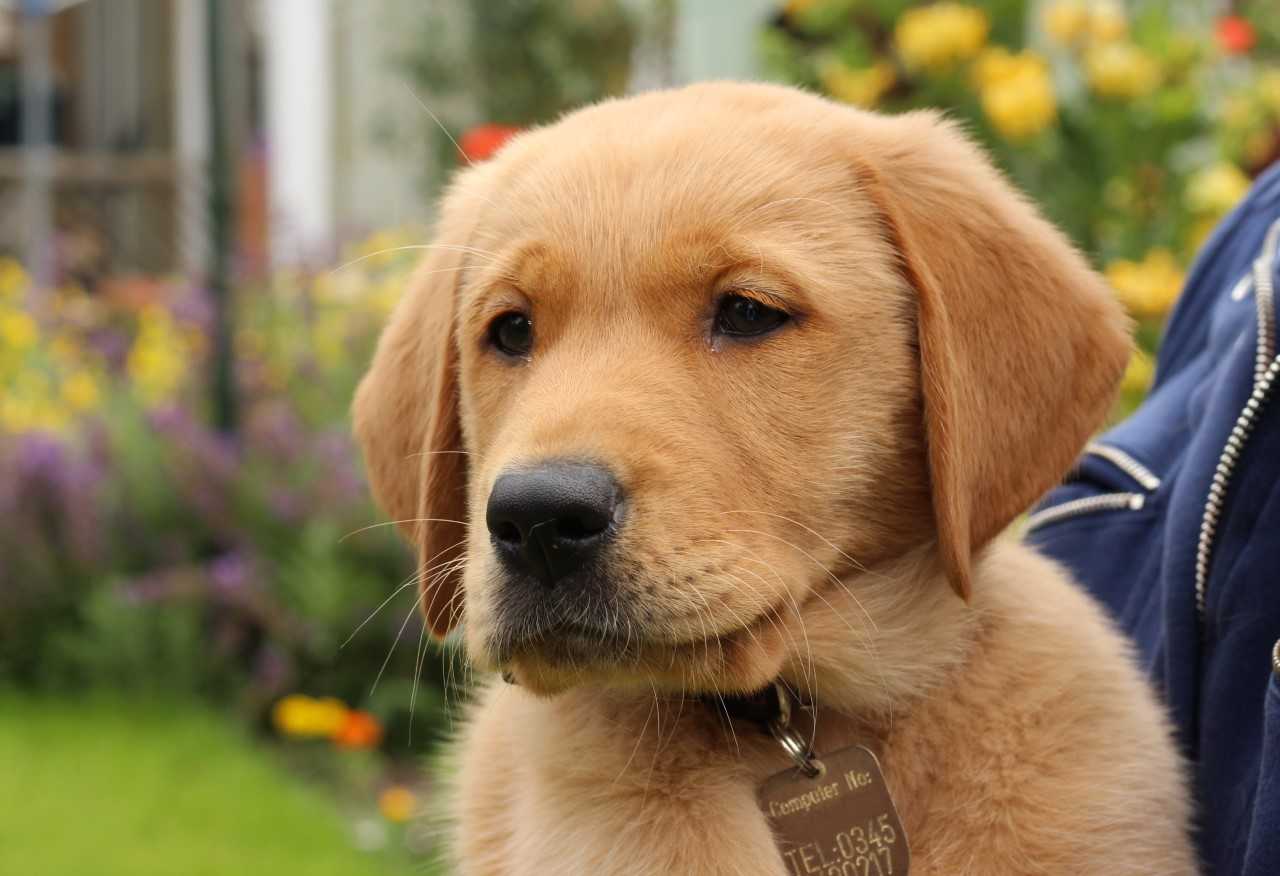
(716, 39)
(379, 124)
(344, 128)
(299, 104)
(191, 133)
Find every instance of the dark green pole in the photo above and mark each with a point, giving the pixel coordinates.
(221, 224)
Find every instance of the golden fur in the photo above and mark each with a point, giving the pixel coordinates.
(820, 505)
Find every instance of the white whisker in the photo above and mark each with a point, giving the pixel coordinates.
(408, 617)
(398, 522)
(439, 124)
(409, 582)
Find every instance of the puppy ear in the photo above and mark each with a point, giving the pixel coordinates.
(407, 424)
(1021, 344)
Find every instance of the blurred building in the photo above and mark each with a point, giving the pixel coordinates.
(108, 110)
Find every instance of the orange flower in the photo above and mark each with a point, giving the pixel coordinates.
(1236, 35)
(359, 730)
(397, 803)
(483, 141)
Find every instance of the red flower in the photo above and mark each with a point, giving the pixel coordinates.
(1236, 35)
(483, 141)
(359, 730)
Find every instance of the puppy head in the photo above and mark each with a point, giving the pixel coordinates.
(679, 364)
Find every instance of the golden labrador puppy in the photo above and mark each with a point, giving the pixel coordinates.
(711, 389)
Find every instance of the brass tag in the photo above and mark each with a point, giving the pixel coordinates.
(842, 823)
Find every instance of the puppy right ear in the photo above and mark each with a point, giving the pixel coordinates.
(1021, 343)
(407, 424)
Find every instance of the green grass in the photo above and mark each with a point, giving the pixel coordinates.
(102, 787)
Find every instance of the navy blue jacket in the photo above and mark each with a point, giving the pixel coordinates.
(1172, 520)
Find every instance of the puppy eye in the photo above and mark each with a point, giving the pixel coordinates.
(512, 334)
(744, 317)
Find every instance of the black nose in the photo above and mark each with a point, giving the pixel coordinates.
(550, 520)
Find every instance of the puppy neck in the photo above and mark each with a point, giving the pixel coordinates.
(881, 640)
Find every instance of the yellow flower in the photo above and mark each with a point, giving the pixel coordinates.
(397, 804)
(1121, 70)
(938, 36)
(302, 716)
(156, 370)
(995, 64)
(49, 417)
(384, 247)
(1118, 194)
(1148, 287)
(1065, 21)
(1017, 94)
(1181, 53)
(1216, 189)
(16, 414)
(329, 339)
(861, 87)
(1199, 232)
(13, 279)
(383, 296)
(1139, 374)
(32, 383)
(26, 406)
(1238, 112)
(1269, 90)
(157, 362)
(80, 391)
(1107, 22)
(64, 350)
(18, 330)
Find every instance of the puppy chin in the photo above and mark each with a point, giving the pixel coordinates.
(543, 679)
(739, 663)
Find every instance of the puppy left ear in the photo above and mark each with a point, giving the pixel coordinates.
(1021, 344)
(407, 423)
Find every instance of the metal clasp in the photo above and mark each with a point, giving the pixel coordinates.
(791, 741)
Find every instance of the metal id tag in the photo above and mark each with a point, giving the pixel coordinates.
(840, 822)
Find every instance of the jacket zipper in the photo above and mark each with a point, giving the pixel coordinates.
(1266, 370)
(1122, 501)
(1086, 505)
(1145, 477)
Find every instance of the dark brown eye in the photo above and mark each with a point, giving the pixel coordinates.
(512, 333)
(744, 317)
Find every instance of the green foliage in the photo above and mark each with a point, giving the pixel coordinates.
(1135, 127)
(142, 550)
(157, 787)
(520, 62)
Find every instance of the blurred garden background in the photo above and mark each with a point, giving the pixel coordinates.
(207, 208)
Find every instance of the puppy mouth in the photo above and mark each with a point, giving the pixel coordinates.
(579, 645)
(570, 642)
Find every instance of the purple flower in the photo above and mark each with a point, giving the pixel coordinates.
(190, 304)
(204, 466)
(272, 670)
(40, 457)
(276, 430)
(230, 573)
(53, 490)
(344, 483)
(286, 505)
(113, 346)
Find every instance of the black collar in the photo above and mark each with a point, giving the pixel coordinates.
(761, 707)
